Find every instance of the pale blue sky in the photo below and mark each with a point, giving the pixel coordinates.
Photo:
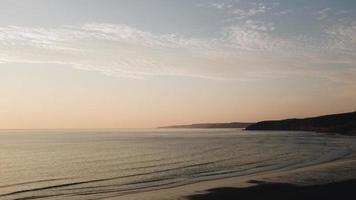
(107, 63)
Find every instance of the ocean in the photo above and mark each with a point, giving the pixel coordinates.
(95, 164)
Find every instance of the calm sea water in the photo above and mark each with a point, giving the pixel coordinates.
(93, 164)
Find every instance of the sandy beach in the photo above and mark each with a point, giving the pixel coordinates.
(327, 180)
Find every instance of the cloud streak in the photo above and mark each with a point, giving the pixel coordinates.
(241, 53)
(323, 14)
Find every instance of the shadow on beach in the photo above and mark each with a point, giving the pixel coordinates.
(282, 191)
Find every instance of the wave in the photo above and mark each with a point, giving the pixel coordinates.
(225, 156)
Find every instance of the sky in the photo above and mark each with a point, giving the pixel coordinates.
(143, 64)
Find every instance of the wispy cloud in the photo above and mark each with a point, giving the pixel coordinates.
(260, 25)
(243, 14)
(283, 12)
(324, 13)
(242, 52)
(221, 5)
(343, 36)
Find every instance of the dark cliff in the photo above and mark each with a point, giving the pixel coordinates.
(344, 123)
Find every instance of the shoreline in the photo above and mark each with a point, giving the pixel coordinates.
(300, 177)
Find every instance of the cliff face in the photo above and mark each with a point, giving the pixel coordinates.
(344, 123)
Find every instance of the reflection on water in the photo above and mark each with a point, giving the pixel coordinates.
(64, 164)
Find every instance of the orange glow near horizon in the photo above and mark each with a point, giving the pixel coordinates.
(108, 102)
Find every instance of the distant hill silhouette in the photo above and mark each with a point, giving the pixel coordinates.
(212, 125)
(344, 123)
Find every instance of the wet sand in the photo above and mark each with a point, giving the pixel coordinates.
(330, 180)
(282, 191)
